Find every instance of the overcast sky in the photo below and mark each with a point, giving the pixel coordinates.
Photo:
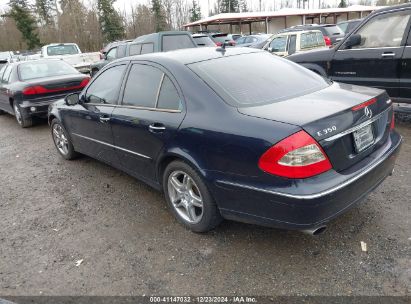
(267, 4)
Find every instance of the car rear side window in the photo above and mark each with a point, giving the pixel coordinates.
(312, 39)
(333, 30)
(147, 48)
(106, 87)
(142, 86)
(135, 49)
(257, 78)
(386, 30)
(175, 42)
(168, 97)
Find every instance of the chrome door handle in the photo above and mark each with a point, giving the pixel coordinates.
(104, 119)
(156, 127)
(385, 55)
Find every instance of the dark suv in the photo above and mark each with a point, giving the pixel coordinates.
(376, 54)
(331, 32)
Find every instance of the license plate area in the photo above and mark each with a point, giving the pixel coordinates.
(363, 138)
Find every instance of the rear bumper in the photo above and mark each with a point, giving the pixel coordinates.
(36, 108)
(298, 208)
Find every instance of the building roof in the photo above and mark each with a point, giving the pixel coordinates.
(261, 16)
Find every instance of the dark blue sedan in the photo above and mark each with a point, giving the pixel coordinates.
(235, 134)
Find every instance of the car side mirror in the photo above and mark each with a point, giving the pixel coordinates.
(72, 99)
(353, 40)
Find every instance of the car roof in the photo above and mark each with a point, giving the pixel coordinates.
(391, 8)
(191, 55)
(154, 36)
(17, 63)
(298, 32)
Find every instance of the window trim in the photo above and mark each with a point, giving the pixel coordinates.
(84, 92)
(165, 73)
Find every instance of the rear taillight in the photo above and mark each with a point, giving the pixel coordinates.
(84, 82)
(218, 44)
(327, 41)
(364, 104)
(35, 90)
(392, 125)
(101, 55)
(232, 42)
(297, 156)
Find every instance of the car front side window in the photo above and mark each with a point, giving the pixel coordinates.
(111, 55)
(105, 88)
(386, 30)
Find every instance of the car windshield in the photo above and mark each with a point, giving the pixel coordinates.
(333, 30)
(41, 69)
(343, 26)
(257, 78)
(64, 49)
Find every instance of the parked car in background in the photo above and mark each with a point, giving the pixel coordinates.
(220, 38)
(235, 133)
(289, 43)
(203, 40)
(6, 56)
(349, 25)
(70, 53)
(234, 37)
(110, 45)
(157, 42)
(247, 41)
(27, 88)
(331, 32)
(376, 54)
(165, 41)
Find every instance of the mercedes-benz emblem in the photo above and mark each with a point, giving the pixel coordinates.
(367, 112)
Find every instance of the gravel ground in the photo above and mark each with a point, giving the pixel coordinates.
(56, 212)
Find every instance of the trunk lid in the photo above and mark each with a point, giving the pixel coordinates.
(328, 116)
(56, 85)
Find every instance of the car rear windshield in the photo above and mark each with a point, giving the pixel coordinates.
(40, 69)
(220, 38)
(175, 42)
(64, 49)
(257, 78)
(333, 30)
(203, 41)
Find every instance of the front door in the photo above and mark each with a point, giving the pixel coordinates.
(376, 61)
(89, 122)
(150, 113)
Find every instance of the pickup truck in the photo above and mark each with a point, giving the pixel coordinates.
(70, 53)
(377, 53)
(151, 43)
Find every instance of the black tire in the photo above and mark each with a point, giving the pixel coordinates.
(23, 121)
(67, 152)
(210, 215)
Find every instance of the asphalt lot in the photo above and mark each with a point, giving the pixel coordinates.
(55, 212)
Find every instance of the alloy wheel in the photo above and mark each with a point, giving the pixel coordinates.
(185, 197)
(60, 139)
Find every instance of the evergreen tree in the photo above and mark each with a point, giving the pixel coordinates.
(343, 3)
(159, 18)
(110, 20)
(195, 12)
(229, 6)
(25, 22)
(44, 9)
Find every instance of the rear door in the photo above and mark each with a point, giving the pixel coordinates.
(150, 113)
(89, 122)
(376, 62)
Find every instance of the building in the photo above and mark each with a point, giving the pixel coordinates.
(278, 20)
